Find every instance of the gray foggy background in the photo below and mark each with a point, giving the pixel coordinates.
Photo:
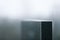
(13, 11)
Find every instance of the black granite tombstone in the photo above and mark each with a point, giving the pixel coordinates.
(36, 30)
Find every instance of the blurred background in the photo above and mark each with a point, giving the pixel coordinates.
(13, 11)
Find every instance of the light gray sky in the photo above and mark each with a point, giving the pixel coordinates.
(16, 9)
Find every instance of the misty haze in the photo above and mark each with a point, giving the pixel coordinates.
(13, 11)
